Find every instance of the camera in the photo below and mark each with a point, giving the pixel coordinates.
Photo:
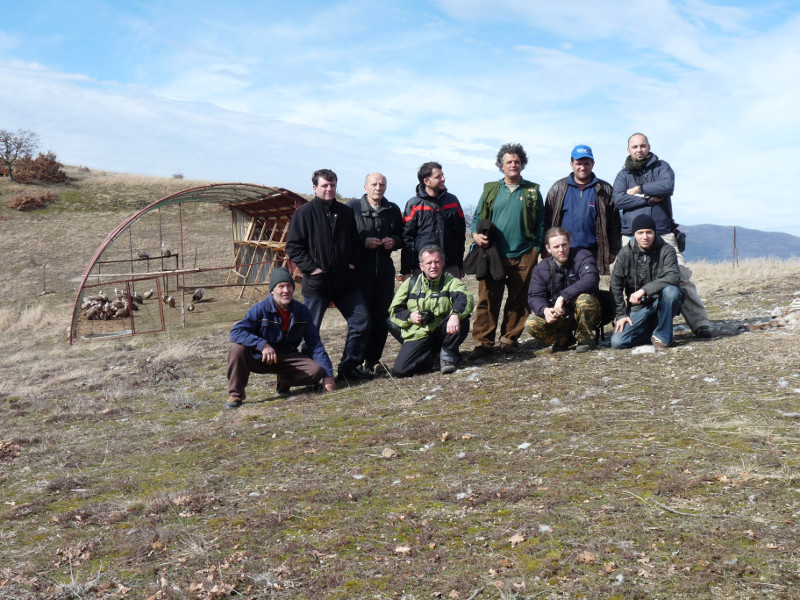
(427, 317)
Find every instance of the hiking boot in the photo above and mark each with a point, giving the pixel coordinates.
(281, 388)
(581, 348)
(448, 367)
(704, 332)
(507, 348)
(657, 343)
(369, 368)
(354, 375)
(480, 352)
(233, 402)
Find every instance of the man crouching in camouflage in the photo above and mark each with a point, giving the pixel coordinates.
(563, 295)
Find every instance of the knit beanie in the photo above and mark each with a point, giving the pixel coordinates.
(279, 275)
(643, 222)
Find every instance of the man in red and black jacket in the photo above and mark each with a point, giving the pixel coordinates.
(433, 217)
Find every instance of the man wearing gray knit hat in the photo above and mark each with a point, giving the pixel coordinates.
(645, 285)
(267, 340)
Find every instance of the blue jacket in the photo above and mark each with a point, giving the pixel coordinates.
(657, 179)
(262, 325)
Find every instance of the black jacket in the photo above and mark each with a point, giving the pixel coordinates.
(324, 236)
(635, 269)
(435, 221)
(550, 280)
(385, 222)
(485, 262)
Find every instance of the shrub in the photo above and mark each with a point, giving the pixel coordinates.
(31, 200)
(44, 168)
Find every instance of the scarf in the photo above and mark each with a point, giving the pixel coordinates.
(637, 167)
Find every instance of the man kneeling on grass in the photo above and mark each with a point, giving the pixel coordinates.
(646, 273)
(430, 313)
(563, 295)
(266, 341)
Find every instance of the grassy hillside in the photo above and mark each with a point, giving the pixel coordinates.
(614, 474)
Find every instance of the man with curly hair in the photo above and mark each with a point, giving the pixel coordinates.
(510, 216)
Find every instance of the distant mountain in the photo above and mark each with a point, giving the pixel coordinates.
(715, 243)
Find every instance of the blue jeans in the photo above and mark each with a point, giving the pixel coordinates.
(652, 320)
(354, 310)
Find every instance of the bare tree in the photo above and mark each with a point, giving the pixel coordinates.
(14, 146)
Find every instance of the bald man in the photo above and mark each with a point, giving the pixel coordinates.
(644, 186)
(380, 227)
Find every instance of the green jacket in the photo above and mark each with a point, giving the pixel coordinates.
(533, 213)
(442, 297)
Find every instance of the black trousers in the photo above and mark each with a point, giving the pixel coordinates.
(378, 291)
(416, 356)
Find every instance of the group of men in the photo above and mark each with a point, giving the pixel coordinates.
(344, 252)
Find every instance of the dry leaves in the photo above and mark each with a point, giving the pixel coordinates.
(515, 539)
(8, 450)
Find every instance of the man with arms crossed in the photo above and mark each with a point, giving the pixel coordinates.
(644, 186)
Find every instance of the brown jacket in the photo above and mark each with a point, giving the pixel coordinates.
(609, 238)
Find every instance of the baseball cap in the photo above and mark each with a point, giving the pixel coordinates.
(582, 152)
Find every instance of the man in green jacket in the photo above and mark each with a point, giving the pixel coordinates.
(432, 311)
(515, 208)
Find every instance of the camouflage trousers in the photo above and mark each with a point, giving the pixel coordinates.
(580, 323)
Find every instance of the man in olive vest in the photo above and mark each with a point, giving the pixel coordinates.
(515, 209)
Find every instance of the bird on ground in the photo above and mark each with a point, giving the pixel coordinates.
(168, 300)
(137, 297)
(190, 307)
(198, 294)
(148, 294)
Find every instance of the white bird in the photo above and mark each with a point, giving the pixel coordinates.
(148, 294)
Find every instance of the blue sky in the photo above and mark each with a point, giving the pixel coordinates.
(267, 92)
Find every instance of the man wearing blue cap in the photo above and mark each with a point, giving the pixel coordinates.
(582, 204)
(267, 340)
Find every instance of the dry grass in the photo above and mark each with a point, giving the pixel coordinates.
(606, 475)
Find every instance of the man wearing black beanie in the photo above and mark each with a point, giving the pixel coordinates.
(645, 285)
(645, 186)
